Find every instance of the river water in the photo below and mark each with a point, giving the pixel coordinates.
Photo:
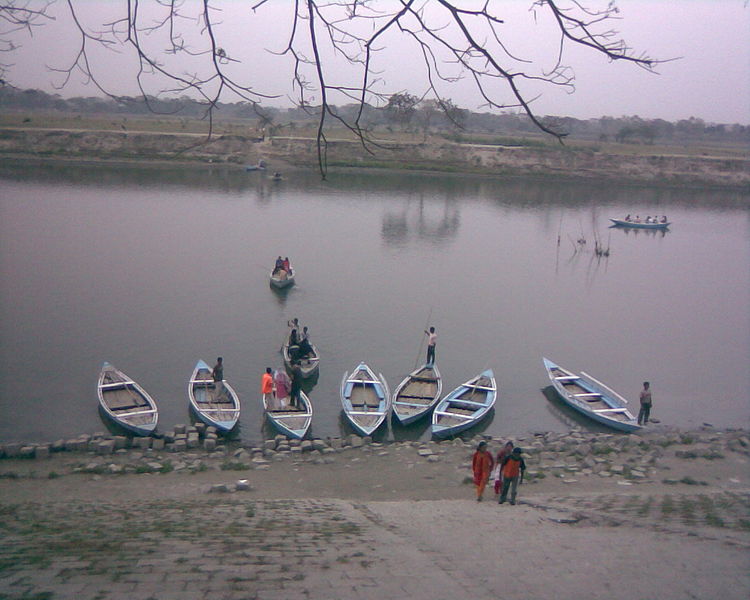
(154, 268)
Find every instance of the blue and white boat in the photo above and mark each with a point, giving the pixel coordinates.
(591, 397)
(640, 224)
(417, 394)
(293, 422)
(213, 402)
(365, 399)
(465, 406)
(125, 402)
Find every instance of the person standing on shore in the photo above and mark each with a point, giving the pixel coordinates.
(481, 465)
(504, 452)
(431, 341)
(645, 398)
(512, 469)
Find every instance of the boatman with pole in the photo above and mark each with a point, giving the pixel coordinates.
(431, 341)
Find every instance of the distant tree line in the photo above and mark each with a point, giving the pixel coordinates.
(403, 112)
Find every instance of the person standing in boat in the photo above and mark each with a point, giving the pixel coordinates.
(287, 265)
(283, 385)
(266, 387)
(645, 398)
(431, 341)
(481, 466)
(279, 265)
(305, 348)
(513, 468)
(296, 385)
(218, 376)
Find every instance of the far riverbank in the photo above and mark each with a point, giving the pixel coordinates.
(556, 162)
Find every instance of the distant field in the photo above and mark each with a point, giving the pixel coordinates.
(249, 127)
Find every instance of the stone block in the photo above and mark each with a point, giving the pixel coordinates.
(209, 444)
(158, 444)
(105, 446)
(120, 442)
(180, 429)
(42, 451)
(306, 446)
(13, 449)
(142, 442)
(193, 441)
(180, 445)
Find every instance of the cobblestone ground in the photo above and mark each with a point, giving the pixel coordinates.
(237, 548)
(218, 548)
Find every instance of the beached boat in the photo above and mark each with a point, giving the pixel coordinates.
(308, 364)
(639, 224)
(417, 394)
(365, 399)
(292, 422)
(282, 279)
(214, 403)
(465, 406)
(125, 402)
(591, 397)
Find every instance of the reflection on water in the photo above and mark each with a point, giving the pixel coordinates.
(151, 268)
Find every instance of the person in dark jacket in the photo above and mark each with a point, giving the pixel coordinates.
(513, 468)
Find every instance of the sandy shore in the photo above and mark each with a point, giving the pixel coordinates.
(661, 514)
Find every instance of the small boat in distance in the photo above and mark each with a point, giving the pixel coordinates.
(291, 421)
(591, 397)
(465, 406)
(365, 399)
(125, 402)
(214, 403)
(417, 394)
(640, 224)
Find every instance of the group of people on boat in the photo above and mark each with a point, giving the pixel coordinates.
(299, 341)
(282, 269)
(648, 219)
(281, 391)
(506, 469)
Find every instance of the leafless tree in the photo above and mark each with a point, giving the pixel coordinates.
(454, 40)
(18, 16)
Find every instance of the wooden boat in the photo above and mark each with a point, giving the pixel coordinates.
(309, 364)
(280, 281)
(465, 406)
(214, 404)
(591, 397)
(292, 422)
(417, 394)
(365, 399)
(125, 402)
(639, 224)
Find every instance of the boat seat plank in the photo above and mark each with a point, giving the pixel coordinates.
(479, 387)
(610, 410)
(372, 381)
(588, 395)
(567, 378)
(452, 414)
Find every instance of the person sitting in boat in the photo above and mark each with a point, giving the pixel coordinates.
(293, 323)
(217, 374)
(294, 350)
(628, 217)
(279, 265)
(664, 219)
(286, 265)
(305, 348)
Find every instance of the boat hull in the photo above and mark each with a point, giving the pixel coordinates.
(466, 406)
(124, 402)
(591, 398)
(288, 421)
(365, 399)
(417, 395)
(279, 283)
(215, 405)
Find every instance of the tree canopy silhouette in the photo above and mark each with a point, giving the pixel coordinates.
(333, 49)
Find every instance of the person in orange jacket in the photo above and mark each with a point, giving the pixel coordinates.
(513, 468)
(481, 465)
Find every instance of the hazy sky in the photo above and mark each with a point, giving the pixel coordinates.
(711, 39)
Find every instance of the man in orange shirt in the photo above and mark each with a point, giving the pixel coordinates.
(266, 384)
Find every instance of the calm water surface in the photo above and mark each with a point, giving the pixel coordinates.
(152, 269)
